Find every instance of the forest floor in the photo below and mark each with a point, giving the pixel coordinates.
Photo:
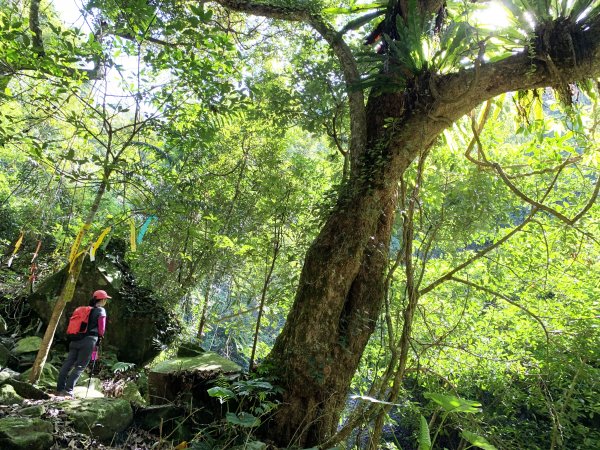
(65, 437)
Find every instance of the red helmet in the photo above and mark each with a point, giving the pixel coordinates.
(100, 295)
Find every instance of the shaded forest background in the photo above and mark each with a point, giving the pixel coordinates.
(217, 145)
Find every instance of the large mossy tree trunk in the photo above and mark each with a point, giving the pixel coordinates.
(341, 288)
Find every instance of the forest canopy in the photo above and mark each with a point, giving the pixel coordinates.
(388, 210)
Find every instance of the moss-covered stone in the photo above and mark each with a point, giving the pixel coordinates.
(8, 395)
(180, 378)
(206, 362)
(20, 433)
(33, 411)
(27, 345)
(132, 393)
(48, 377)
(94, 391)
(99, 417)
(187, 349)
(27, 390)
(129, 304)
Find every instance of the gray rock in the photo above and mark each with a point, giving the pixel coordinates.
(6, 373)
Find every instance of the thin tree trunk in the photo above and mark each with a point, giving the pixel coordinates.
(263, 294)
(404, 344)
(204, 308)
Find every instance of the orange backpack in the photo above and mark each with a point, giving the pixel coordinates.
(78, 323)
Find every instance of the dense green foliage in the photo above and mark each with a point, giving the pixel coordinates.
(222, 154)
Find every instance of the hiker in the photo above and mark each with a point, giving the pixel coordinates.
(83, 339)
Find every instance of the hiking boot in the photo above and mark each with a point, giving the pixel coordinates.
(65, 394)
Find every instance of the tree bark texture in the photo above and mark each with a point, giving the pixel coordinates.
(341, 288)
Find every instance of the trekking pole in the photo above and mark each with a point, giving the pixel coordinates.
(94, 358)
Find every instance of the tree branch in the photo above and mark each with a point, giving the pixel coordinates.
(543, 207)
(518, 72)
(304, 14)
(34, 26)
(477, 255)
(484, 162)
(505, 298)
(131, 37)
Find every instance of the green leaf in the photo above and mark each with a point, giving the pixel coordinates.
(121, 366)
(360, 21)
(424, 437)
(243, 419)
(477, 441)
(453, 404)
(355, 9)
(220, 392)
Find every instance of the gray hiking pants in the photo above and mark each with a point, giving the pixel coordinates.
(80, 353)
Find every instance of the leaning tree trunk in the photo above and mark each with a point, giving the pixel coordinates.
(66, 294)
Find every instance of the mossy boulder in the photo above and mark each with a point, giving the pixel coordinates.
(30, 344)
(8, 395)
(207, 363)
(132, 393)
(27, 390)
(22, 433)
(99, 417)
(94, 391)
(139, 344)
(47, 378)
(33, 411)
(187, 349)
(187, 376)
